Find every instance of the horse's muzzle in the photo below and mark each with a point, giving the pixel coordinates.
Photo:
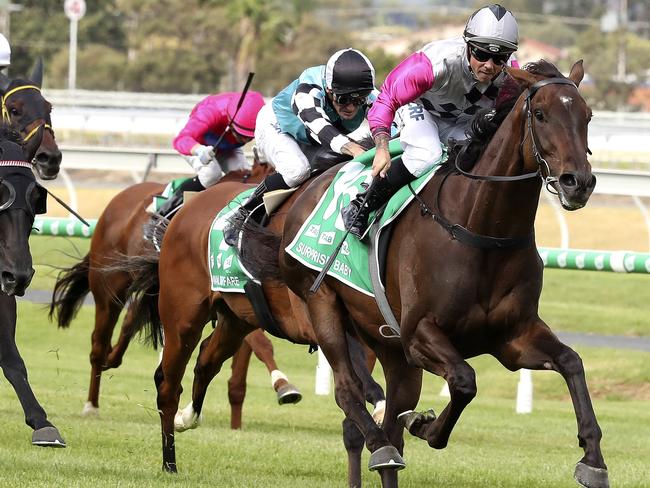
(48, 163)
(15, 283)
(574, 189)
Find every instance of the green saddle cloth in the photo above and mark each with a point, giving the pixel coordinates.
(320, 234)
(323, 229)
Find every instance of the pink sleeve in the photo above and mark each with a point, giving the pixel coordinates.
(404, 84)
(201, 120)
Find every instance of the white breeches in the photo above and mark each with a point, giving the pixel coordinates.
(422, 136)
(279, 149)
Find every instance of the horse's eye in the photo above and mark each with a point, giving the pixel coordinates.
(539, 115)
(14, 111)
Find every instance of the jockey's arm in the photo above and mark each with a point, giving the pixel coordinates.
(308, 106)
(404, 84)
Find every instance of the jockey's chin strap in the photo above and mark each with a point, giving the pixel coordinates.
(46, 124)
(542, 164)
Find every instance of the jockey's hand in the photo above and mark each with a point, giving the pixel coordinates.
(353, 149)
(204, 153)
(381, 163)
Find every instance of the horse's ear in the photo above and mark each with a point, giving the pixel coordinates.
(5, 81)
(34, 142)
(522, 77)
(37, 73)
(577, 72)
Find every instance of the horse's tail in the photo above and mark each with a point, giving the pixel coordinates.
(260, 250)
(69, 292)
(142, 295)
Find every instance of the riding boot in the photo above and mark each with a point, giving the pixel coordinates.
(272, 182)
(170, 207)
(356, 215)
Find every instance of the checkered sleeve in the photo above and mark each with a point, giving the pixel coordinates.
(307, 104)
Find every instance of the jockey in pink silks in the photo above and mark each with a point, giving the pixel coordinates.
(434, 93)
(212, 141)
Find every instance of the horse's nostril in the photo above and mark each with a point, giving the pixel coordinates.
(42, 158)
(568, 180)
(8, 277)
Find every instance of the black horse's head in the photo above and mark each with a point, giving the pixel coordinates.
(21, 198)
(25, 109)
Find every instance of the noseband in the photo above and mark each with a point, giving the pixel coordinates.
(46, 124)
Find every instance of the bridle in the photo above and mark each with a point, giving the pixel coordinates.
(473, 239)
(542, 164)
(46, 122)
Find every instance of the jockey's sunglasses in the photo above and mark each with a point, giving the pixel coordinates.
(483, 56)
(357, 99)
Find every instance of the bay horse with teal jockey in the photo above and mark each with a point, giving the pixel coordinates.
(118, 235)
(463, 276)
(173, 288)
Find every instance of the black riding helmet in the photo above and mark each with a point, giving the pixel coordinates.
(349, 71)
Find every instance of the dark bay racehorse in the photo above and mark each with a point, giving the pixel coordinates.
(463, 276)
(26, 110)
(118, 233)
(20, 199)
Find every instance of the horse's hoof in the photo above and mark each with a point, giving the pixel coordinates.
(186, 419)
(591, 477)
(169, 467)
(288, 393)
(386, 457)
(378, 412)
(90, 410)
(47, 437)
(412, 421)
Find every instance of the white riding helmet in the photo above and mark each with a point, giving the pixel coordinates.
(5, 52)
(493, 28)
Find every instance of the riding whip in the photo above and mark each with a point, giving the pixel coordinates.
(249, 80)
(321, 276)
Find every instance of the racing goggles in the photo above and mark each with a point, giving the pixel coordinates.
(357, 98)
(484, 56)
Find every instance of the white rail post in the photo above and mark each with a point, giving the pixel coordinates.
(525, 392)
(323, 375)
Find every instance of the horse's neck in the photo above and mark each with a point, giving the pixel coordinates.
(505, 209)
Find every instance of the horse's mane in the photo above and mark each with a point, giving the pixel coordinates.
(486, 121)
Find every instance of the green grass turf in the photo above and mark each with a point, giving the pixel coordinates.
(300, 445)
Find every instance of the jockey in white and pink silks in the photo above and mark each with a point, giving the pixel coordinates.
(435, 92)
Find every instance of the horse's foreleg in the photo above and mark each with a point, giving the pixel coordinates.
(263, 349)
(107, 313)
(538, 348)
(373, 390)
(327, 318)
(430, 349)
(13, 367)
(237, 383)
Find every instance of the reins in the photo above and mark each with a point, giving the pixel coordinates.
(466, 236)
(6, 117)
